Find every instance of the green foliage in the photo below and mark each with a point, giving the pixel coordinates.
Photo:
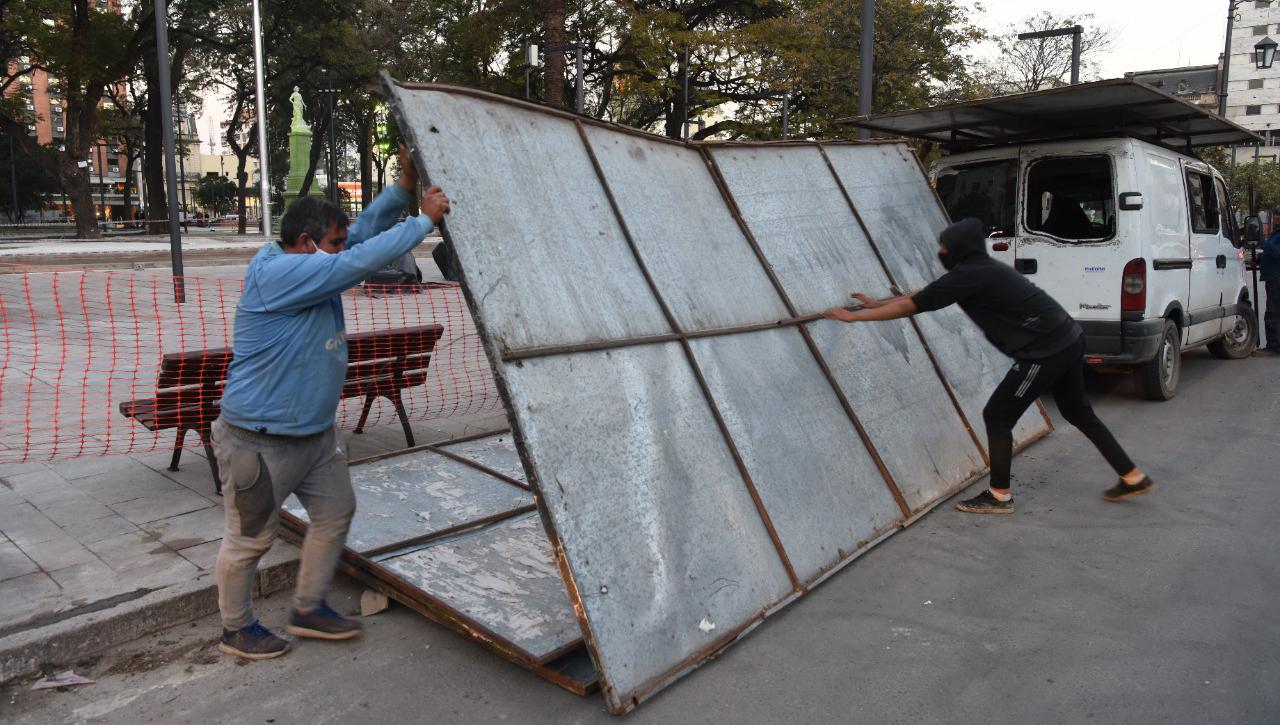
(35, 185)
(216, 193)
(1245, 178)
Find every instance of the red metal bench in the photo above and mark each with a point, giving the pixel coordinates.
(189, 387)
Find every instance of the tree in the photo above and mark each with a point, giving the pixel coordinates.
(81, 49)
(216, 193)
(1030, 65)
(34, 185)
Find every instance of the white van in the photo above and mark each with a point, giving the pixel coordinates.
(1092, 191)
(1138, 242)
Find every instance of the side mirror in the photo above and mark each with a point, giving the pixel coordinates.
(1252, 230)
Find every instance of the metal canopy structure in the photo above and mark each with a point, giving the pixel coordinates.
(702, 447)
(1119, 107)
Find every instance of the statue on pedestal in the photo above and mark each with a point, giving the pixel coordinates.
(299, 150)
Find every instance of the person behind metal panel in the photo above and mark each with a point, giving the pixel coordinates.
(1046, 344)
(276, 435)
(1271, 286)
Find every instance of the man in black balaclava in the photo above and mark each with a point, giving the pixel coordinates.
(1026, 324)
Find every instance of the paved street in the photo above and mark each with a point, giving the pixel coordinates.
(1158, 610)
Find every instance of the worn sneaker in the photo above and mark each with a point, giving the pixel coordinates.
(985, 503)
(254, 642)
(1122, 490)
(323, 623)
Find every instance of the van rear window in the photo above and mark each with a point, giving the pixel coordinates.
(986, 191)
(1071, 198)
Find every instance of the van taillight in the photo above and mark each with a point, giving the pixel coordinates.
(1133, 287)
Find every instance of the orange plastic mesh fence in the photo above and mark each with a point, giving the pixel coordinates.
(95, 363)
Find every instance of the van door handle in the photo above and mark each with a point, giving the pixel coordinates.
(1222, 261)
(1025, 266)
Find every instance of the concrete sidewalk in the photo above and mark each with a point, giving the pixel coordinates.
(81, 538)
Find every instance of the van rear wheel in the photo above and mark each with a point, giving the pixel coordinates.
(1240, 341)
(1158, 377)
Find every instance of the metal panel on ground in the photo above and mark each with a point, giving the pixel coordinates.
(665, 547)
(496, 451)
(810, 236)
(418, 493)
(527, 195)
(503, 576)
(897, 206)
(822, 489)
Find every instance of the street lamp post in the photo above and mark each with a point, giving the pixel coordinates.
(331, 169)
(102, 189)
(166, 132)
(577, 83)
(264, 204)
(786, 108)
(182, 166)
(1076, 32)
(866, 63)
(684, 122)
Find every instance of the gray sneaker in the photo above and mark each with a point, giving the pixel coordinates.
(254, 642)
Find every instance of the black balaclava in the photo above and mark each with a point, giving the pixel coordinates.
(962, 240)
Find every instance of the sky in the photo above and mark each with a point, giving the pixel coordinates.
(1150, 34)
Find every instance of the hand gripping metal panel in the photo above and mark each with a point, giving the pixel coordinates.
(898, 206)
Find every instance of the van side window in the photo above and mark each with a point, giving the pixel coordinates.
(987, 191)
(1071, 198)
(1224, 210)
(1203, 203)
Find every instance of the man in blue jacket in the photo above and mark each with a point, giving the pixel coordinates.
(276, 433)
(1271, 279)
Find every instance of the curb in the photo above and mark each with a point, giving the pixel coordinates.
(66, 641)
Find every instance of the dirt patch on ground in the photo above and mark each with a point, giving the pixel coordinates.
(147, 660)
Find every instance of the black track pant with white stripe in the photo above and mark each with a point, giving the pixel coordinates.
(1063, 375)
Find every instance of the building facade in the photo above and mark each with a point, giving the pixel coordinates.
(1253, 95)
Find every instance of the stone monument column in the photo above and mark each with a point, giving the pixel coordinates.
(299, 151)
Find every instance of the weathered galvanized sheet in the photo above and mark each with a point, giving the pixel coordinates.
(905, 219)
(794, 208)
(497, 452)
(823, 492)
(545, 257)
(700, 262)
(666, 548)
(503, 577)
(416, 494)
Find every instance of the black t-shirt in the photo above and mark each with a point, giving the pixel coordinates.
(1016, 316)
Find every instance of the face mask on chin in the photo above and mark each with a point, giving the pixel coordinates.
(321, 252)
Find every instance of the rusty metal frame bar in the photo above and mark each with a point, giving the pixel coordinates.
(399, 547)
(845, 405)
(439, 450)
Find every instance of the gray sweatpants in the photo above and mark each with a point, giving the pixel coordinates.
(258, 473)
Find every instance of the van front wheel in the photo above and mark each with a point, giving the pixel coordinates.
(1158, 378)
(1240, 341)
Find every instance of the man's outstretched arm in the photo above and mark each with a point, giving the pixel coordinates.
(885, 310)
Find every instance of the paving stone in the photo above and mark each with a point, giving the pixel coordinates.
(90, 581)
(13, 469)
(25, 525)
(26, 597)
(153, 571)
(160, 506)
(57, 553)
(92, 466)
(41, 487)
(70, 513)
(119, 488)
(13, 562)
(189, 529)
(101, 528)
(127, 547)
(203, 555)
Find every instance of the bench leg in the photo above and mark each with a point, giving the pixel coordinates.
(213, 461)
(177, 450)
(404, 417)
(364, 414)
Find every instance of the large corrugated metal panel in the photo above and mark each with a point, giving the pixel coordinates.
(806, 229)
(896, 204)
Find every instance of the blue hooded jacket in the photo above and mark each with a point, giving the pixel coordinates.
(290, 349)
(1271, 257)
